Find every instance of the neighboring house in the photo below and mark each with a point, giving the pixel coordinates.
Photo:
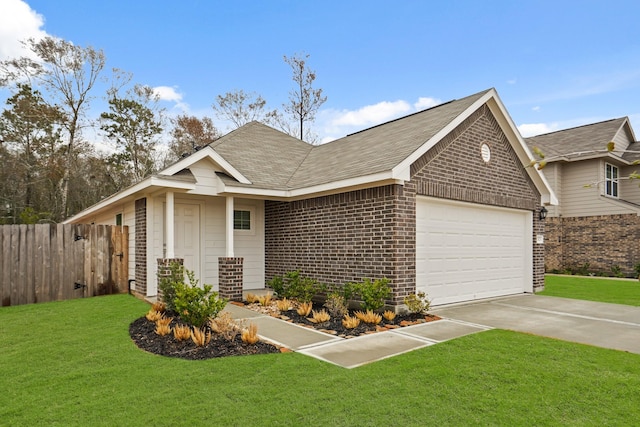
(438, 201)
(596, 225)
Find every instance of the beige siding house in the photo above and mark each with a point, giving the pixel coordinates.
(596, 224)
(439, 201)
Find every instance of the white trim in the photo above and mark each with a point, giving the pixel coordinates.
(229, 227)
(252, 219)
(210, 153)
(169, 218)
(615, 181)
(146, 185)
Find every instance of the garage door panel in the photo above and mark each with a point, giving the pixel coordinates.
(467, 251)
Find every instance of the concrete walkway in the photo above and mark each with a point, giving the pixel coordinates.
(353, 352)
(604, 325)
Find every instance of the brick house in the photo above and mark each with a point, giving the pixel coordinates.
(439, 201)
(596, 224)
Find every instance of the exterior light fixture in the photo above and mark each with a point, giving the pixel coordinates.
(543, 213)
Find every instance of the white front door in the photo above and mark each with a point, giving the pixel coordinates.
(187, 236)
(467, 251)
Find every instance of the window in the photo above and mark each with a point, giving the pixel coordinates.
(611, 180)
(242, 220)
(119, 219)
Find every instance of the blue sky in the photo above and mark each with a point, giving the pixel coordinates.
(555, 64)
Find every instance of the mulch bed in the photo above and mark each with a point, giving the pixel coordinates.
(142, 332)
(335, 326)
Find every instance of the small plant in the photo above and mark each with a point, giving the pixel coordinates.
(168, 283)
(252, 298)
(277, 284)
(369, 317)
(164, 320)
(373, 293)
(417, 303)
(320, 316)
(181, 332)
(336, 305)
(250, 335)
(199, 337)
(389, 315)
(616, 270)
(159, 306)
(350, 322)
(196, 305)
(304, 308)
(153, 315)
(265, 300)
(283, 304)
(636, 268)
(225, 326)
(162, 328)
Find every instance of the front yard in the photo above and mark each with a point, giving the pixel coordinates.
(73, 363)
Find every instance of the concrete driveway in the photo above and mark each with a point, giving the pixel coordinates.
(599, 324)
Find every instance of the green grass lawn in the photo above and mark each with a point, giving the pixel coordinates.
(72, 363)
(593, 289)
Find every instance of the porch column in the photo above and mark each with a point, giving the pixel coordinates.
(229, 227)
(169, 225)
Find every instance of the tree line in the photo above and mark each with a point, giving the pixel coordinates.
(50, 170)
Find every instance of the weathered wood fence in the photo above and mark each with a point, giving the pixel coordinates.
(52, 262)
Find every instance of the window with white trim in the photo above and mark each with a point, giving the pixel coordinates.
(241, 220)
(611, 175)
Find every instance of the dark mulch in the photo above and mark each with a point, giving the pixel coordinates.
(142, 332)
(335, 326)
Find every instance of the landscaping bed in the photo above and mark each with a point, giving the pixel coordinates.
(142, 332)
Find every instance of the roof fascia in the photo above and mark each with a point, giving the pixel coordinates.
(143, 186)
(206, 152)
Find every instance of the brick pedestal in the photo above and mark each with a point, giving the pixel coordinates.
(230, 276)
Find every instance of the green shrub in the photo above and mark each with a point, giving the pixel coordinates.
(277, 284)
(616, 270)
(336, 305)
(295, 286)
(417, 303)
(373, 293)
(193, 304)
(167, 284)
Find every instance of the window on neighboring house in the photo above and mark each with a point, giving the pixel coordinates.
(119, 219)
(242, 220)
(611, 180)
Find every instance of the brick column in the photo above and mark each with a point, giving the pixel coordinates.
(141, 246)
(230, 277)
(164, 270)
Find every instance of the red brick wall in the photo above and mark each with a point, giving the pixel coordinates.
(371, 233)
(141, 246)
(600, 241)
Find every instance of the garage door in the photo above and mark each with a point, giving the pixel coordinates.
(466, 251)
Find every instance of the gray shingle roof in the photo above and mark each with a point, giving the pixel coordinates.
(582, 139)
(273, 160)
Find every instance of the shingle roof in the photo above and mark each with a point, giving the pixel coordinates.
(583, 139)
(273, 160)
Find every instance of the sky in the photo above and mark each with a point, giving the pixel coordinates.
(555, 64)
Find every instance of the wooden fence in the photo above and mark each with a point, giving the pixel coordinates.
(52, 262)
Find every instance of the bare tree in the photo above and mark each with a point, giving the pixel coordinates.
(304, 100)
(240, 107)
(190, 133)
(67, 73)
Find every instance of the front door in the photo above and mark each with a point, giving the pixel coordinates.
(187, 236)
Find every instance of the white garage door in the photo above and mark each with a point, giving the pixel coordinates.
(466, 251)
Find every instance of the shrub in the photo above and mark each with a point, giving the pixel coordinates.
(196, 305)
(368, 317)
(265, 300)
(153, 315)
(199, 337)
(320, 316)
(252, 298)
(167, 284)
(159, 306)
(417, 303)
(389, 315)
(373, 293)
(224, 326)
(336, 305)
(350, 322)
(181, 332)
(283, 304)
(616, 270)
(301, 288)
(250, 334)
(277, 284)
(304, 308)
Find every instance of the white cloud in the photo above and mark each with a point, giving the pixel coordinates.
(533, 129)
(512, 81)
(425, 102)
(171, 94)
(536, 108)
(372, 114)
(18, 22)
